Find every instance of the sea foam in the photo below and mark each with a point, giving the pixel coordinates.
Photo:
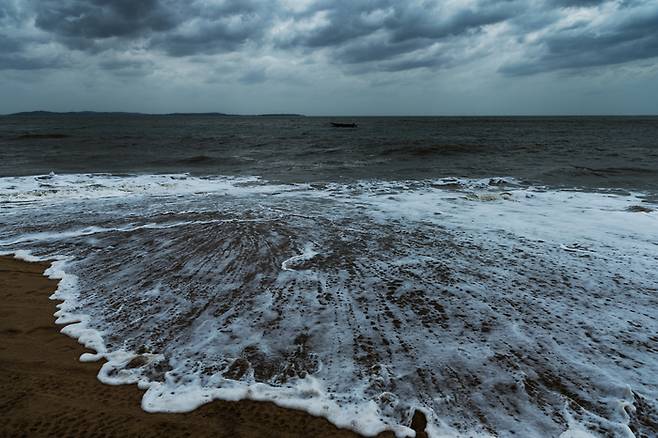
(493, 307)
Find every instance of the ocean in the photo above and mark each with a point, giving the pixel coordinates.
(499, 275)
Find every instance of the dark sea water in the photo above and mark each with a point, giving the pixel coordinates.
(499, 275)
(619, 152)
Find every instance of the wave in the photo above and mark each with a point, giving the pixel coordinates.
(204, 160)
(603, 171)
(36, 136)
(491, 306)
(617, 170)
(429, 150)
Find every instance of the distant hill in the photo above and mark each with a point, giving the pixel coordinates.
(196, 114)
(120, 113)
(70, 113)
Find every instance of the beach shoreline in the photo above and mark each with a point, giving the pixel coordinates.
(45, 390)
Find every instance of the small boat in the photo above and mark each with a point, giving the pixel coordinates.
(343, 125)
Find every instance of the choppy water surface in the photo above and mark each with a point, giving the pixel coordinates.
(494, 306)
(591, 152)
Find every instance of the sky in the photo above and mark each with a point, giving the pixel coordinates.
(330, 57)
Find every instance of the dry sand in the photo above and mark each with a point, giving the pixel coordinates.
(46, 391)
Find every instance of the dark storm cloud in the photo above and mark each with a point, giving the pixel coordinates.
(14, 55)
(386, 35)
(412, 23)
(629, 38)
(576, 3)
(208, 38)
(342, 21)
(176, 28)
(10, 45)
(99, 19)
(215, 29)
(361, 32)
(6, 10)
(357, 36)
(367, 51)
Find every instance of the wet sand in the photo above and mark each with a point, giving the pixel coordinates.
(46, 391)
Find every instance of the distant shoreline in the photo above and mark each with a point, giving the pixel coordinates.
(40, 113)
(126, 113)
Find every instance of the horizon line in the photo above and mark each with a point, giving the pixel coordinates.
(292, 114)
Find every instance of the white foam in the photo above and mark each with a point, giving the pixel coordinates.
(203, 272)
(308, 254)
(69, 187)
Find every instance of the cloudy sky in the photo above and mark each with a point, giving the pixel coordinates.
(331, 56)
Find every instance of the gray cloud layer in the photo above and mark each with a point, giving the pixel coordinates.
(516, 37)
(630, 34)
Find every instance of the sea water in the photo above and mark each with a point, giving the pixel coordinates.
(498, 305)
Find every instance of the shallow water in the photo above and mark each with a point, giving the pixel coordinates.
(493, 305)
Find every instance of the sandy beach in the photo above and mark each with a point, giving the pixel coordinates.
(46, 391)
